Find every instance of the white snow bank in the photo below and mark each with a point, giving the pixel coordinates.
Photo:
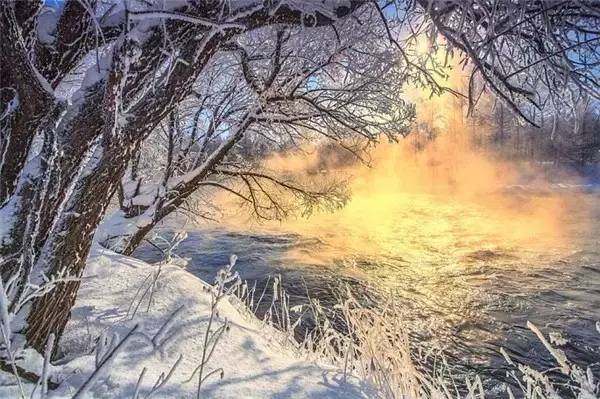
(255, 363)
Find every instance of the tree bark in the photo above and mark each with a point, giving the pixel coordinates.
(25, 90)
(68, 249)
(56, 199)
(68, 244)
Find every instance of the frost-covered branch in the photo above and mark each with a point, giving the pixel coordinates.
(524, 52)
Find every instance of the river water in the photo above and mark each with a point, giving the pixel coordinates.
(460, 288)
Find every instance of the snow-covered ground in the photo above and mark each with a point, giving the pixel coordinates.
(256, 360)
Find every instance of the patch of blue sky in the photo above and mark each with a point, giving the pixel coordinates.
(53, 3)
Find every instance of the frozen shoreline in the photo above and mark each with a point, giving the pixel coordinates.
(256, 360)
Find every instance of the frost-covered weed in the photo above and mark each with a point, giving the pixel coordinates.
(582, 384)
(226, 283)
(375, 348)
(146, 290)
(107, 349)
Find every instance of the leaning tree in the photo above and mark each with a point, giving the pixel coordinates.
(85, 82)
(62, 160)
(282, 88)
(529, 55)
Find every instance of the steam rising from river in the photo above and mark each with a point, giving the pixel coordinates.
(446, 196)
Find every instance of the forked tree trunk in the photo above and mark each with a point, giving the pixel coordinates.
(64, 252)
(52, 202)
(70, 237)
(133, 225)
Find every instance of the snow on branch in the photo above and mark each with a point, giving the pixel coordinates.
(141, 15)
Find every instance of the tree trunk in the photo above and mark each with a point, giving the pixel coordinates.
(29, 99)
(136, 239)
(51, 203)
(66, 249)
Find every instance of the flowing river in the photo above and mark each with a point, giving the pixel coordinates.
(462, 288)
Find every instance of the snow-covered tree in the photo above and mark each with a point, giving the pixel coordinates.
(527, 53)
(84, 82)
(284, 87)
(65, 150)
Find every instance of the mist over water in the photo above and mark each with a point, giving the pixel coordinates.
(435, 192)
(415, 187)
(468, 296)
(472, 246)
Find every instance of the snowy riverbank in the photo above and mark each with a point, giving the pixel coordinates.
(256, 362)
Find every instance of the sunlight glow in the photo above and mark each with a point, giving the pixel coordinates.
(422, 46)
(436, 197)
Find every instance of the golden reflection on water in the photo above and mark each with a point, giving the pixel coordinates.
(441, 224)
(446, 198)
(432, 203)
